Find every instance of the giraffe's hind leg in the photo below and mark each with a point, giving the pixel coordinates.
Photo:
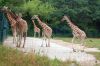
(48, 42)
(39, 34)
(83, 44)
(43, 38)
(34, 34)
(73, 39)
(20, 40)
(25, 35)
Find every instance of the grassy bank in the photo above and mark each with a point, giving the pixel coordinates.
(13, 57)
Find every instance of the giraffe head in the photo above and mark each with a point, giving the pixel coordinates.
(64, 18)
(35, 17)
(4, 9)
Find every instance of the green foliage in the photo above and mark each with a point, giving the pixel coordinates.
(38, 7)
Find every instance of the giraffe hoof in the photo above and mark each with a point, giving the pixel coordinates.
(41, 45)
(74, 50)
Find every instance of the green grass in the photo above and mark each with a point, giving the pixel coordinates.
(90, 42)
(13, 57)
(96, 54)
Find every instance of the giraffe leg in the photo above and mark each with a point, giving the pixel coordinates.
(43, 38)
(73, 39)
(74, 50)
(82, 44)
(25, 35)
(34, 34)
(42, 41)
(46, 42)
(39, 34)
(14, 37)
(17, 40)
(49, 42)
(20, 40)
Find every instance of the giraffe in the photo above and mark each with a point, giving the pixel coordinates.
(36, 29)
(21, 27)
(77, 33)
(46, 31)
(12, 23)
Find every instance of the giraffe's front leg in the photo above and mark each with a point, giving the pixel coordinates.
(42, 41)
(43, 38)
(73, 39)
(18, 38)
(25, 35)
(34, 34)
(46, 41)
(49, 42)
(82, 44)
(39, 34)
(82, 41)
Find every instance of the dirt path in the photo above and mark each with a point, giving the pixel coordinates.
(58, 50)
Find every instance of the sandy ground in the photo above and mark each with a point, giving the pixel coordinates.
(58, 49)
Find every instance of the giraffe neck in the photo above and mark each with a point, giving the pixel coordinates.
(10, 18)
(40, 22)
(70, 23)
(33, 23)
(13, 15)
